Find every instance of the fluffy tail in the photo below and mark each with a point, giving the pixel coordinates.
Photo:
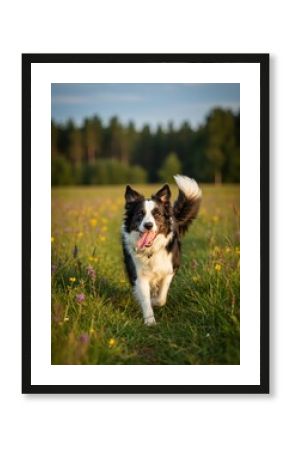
(186, 207)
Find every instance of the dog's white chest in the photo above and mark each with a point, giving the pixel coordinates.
(153, 263)
(161, 262)
(155, 267)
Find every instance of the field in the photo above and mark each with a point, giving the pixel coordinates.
(95, 319)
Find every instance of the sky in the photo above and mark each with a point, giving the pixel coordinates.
(153, 104)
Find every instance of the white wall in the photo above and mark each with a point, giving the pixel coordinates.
(74, 422)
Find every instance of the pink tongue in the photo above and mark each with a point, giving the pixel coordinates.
(145, 239)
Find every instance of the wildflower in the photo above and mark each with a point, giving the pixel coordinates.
(102, 238)
(228, 249)
(80, 234)
(66, 319)
(80, 298)
(93, 258)
(215, 219)
(104, 229)
(72, 279)
(84, 338)
(91, 273)
(112, 342)
(52, 239)
(93, 222)
(218, 267)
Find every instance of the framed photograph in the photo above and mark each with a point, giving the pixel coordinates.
(145, 228)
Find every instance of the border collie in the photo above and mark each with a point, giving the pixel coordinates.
(151, 235)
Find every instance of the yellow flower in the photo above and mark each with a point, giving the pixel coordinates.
(215, 219)
(52, 239)
(104, 229)
(112, 342)
(93, 222)
(66, 319)
(72, 279)
(218, 267)
(228, 249)
(102, 238)
(80, 234)
(93, 258)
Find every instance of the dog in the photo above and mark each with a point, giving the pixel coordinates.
(151, 240)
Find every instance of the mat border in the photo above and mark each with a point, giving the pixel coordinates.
(260, 58)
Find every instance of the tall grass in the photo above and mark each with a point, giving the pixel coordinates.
(95, 319)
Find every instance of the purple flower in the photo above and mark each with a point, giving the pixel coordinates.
(91, 273)
(80, 298)
(84, 338)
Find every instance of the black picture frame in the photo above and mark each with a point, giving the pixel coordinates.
(263, 61)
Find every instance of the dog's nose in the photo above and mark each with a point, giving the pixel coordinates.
(148, 225)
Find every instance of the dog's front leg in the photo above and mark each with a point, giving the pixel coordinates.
(142, 293)
(161, 298)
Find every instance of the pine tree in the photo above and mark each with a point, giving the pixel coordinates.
(170, 167)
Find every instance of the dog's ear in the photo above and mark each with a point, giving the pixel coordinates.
(164, 194)
(131, 195)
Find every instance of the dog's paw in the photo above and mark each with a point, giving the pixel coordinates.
(150, 321)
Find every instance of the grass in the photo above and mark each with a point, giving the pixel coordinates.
(95, 319)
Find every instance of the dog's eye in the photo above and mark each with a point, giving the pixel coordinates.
(156, 213)
(140, 215)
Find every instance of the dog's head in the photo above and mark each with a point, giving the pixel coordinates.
(148, 217)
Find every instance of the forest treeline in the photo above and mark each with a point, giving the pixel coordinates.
(94, 153)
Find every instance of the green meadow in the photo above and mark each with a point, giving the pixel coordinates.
(95, 319)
